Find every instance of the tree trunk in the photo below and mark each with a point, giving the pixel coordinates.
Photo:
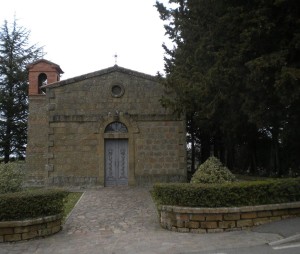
(230, 155)
(192, 146)
(252, 157)
(275, 161)
(205, 147)
(7, 143)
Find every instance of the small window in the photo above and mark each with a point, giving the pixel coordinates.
(117, 90)
(116, 127)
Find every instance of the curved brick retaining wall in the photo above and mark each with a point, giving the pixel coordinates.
(207, 220)
(12, 231)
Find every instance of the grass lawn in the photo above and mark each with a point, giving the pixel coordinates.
(71, 201)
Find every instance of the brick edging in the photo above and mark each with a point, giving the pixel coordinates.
(206, 220)
(13, 231)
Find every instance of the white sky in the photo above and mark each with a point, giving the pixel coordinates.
(83, 36)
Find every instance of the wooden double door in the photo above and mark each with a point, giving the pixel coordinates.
(116, 162)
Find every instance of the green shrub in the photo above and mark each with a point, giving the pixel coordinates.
(31, 204)
(212, 171)
(228, 194)
(11, 177)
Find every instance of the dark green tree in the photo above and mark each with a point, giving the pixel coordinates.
(15, 55)
(271, 44)
(197, 70)
(235, 70)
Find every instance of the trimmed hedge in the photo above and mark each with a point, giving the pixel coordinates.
(212, 171)
(31, 204)
(228, 194)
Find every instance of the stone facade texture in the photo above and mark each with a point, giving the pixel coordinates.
(211, 220)
(13, 231)
(66, 130)
(37, 140)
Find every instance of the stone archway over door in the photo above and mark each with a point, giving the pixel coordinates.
(116, 162)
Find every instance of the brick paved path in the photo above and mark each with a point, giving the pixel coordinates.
(124, 220)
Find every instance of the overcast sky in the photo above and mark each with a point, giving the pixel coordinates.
(83, 36)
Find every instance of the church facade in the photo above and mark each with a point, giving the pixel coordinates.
(103, 128)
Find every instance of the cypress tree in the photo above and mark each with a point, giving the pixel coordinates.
(15, 55)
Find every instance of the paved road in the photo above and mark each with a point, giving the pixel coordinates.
(261, 249)
(285, 228)
(124, 220)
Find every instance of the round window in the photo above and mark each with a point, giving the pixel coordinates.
(117, 90)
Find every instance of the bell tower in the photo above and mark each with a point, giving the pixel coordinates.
(42, 72)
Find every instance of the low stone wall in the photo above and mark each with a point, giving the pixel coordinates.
(13, 231)
(208, 220)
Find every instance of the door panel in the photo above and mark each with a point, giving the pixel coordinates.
(116, 162)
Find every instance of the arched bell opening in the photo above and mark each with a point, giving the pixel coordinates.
(42, 80)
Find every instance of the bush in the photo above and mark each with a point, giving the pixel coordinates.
(11, 177)
(228, 194)
(31, 204)
(212, 171)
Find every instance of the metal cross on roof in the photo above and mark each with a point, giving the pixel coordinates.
(116, 59)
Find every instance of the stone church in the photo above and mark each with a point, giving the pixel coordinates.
(103, 128)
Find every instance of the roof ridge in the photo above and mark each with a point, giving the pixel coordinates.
(47, 61)
(100, 73)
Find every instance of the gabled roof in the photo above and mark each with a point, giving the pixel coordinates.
(56, 66)
(114, 68)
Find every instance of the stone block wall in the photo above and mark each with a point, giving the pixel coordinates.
(37, 140)
(211, 220)
(92, 96)
(73, 154)
(160, 152)
(13, 231)
(67, 130)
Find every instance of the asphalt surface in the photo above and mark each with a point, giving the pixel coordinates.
(285, 228)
